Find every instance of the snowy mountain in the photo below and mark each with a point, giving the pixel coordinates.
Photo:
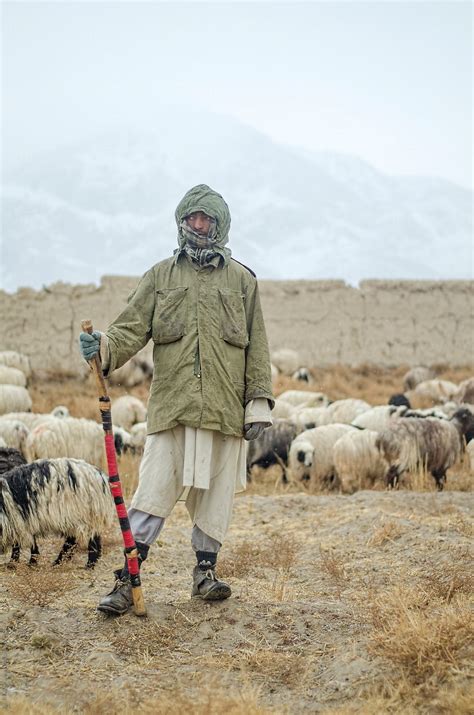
(107, 206)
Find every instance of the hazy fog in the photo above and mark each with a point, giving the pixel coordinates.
(390, 82)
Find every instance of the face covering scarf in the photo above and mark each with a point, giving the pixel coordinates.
(198, 247)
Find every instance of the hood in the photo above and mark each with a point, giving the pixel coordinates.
(203, 198)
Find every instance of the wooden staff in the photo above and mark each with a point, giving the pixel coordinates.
(114, 482)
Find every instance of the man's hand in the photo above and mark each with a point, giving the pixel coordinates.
(254, 430)
(89, 344)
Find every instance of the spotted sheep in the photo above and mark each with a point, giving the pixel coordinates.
(429, 443)
(55, 497)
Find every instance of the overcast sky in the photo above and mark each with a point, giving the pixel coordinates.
(390, 82)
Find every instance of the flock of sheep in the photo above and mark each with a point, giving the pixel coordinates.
(349, 444)
(50, 464)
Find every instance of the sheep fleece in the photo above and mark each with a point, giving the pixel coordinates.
(54, 497)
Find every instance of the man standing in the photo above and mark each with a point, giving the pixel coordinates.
(211, 387)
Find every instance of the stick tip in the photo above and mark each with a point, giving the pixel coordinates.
(86, 326)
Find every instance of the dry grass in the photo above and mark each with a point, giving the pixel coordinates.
(398, 696)
(368, 382)
(446, 581)
(333, 566)
(267, 664)
(209, 700)
(39, 586)
(275, 552)
(424, 637)
(385, 530)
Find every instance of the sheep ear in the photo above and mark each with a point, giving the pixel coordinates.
(300, 456)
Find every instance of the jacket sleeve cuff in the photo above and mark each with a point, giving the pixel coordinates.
(258, 410)
(252, 392)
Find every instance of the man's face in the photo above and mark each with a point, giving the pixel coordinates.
(200, 222)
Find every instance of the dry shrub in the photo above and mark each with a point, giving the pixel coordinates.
(276, 552)
(425, 637)
(333, 566)
(447, 580)
(385, 530)
(39, 586)
(398, 696)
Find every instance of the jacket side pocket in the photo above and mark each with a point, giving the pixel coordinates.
(169, 319)
(233, 319)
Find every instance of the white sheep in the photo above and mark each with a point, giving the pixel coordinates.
(136, 371)
(307, 417)
(358, 462)
(303, 375)
(123, 440)
(438, 391)
(14, 434)
(68, 437)
(56, 497)
(11, 358)
(345, 411)
(275, 371)
(470, 454)
(311, 455)
(378, 417)
(138, 435)
(465, 391)
(33, 419)
(14, 398)
(127, 411)
(282, 410)
(286, 360)
(417, 374)
(12, 376)
(304, 398)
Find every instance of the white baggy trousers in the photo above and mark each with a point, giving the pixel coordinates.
(202, 467)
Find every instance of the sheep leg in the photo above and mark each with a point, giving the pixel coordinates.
(67, 550)
(34, 553)
(15, 555)
(392, 477)
(94, 551)
(440, 479)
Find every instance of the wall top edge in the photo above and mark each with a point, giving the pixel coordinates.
(60, 287)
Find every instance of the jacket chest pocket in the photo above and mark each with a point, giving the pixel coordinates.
(233, 319)
(169, 318)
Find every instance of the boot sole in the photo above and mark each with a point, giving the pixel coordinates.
(220, 593)
(112, 611)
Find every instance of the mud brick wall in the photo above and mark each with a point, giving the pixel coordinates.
(383, 322)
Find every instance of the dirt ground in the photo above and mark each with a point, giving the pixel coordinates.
(340, 604)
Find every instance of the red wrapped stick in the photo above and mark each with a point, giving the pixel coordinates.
(114, 482)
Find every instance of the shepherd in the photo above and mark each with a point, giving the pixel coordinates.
(211, 387)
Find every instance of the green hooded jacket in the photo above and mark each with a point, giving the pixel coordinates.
(210, 347)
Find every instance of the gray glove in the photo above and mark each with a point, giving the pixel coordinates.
(254, 430)
(89, 344)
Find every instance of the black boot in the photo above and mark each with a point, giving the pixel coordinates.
(120, 599)
(205, 583)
